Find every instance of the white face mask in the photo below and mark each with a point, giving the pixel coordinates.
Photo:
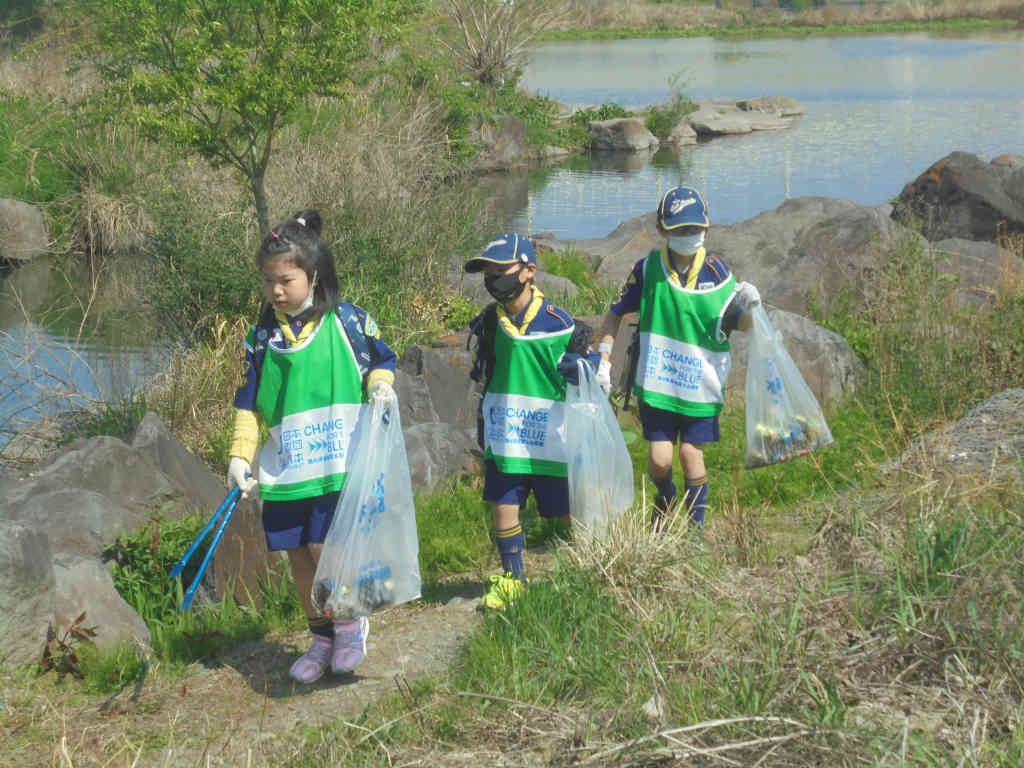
(308, 302)
(685, 245)
(303, 306)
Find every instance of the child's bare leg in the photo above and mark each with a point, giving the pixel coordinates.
(691, 456)
(303, 561)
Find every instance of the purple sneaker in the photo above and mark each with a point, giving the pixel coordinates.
(349, 644)
(311, 665)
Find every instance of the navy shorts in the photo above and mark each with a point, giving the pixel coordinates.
(552, 493)
(293, 524)
(668, 425)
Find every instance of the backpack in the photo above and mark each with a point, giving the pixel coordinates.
(356, 336)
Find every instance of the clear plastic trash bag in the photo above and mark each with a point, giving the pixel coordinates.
(370, 557)
(600, 469)
(784, 419)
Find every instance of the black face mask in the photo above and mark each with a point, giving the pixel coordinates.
(504, 287)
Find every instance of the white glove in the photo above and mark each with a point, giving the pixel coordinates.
(747, 295)
(240, 474)
(384, 393)
(604, 376)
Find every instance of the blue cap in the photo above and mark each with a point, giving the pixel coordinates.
(508, 248)
(683, 207)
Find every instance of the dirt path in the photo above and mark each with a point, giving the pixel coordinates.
(236, 711)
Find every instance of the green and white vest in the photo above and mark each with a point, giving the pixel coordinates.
(524, 407)
(684, 354)
(309, 397)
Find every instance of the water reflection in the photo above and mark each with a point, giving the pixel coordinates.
(878, 111)
(46, 367)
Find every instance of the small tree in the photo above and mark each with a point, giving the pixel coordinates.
(493, 35)
(221, 78)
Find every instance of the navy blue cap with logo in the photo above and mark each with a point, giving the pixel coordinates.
(683, 207)
(506, 248)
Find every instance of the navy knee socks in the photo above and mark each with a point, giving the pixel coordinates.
(696, 498)
(666, 491)
(510, 543)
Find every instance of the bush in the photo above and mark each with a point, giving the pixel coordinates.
(662, 119)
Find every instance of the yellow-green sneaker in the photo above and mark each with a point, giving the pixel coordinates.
(504, 591)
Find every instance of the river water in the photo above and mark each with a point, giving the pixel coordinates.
(877, 112)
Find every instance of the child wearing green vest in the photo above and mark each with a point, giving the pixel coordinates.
(527, 349)
(688, 304)
(305, 364)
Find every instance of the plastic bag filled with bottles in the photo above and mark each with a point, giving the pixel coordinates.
(784, 419)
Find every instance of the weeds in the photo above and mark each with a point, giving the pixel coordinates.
(63, 644)
(835, 611)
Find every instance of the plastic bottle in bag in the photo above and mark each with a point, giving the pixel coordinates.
(370, 556)
(783, 418)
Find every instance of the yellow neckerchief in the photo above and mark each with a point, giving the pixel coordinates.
(692, 275)
(531, 312)
(286, 327)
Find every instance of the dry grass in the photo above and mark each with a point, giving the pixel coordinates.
(639, 14)
(193, 395)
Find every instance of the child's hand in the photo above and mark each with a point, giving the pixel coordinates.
(240, 474)
(747, 295)
(384, 393)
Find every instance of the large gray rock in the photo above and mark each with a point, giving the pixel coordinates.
(682, 134)
(75, 519)
(23, 234)
(961, 196)
(989, 439)
(26, 592)
(439, 450)
(153, 442)
(439, 407)
(974, 265)
(502, 143)
(621, 134)
(808, 246)
(84, 584)
(444, 373)
(105, 465)
(713, 118)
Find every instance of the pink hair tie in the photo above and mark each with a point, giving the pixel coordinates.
(274, 234)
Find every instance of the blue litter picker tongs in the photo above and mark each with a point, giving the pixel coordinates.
(226, 508)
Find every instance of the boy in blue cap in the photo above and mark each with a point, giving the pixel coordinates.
(688, 304)
(526, 349)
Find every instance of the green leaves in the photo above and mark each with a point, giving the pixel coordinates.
(222, 77)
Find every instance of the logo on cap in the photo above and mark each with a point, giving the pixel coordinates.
(678, 205)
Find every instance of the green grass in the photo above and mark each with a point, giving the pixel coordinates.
(454, 528)
(142, 565)
(32, 132)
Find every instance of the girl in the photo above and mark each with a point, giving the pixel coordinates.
(305, 361)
